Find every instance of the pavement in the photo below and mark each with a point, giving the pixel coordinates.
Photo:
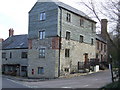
(18, 78)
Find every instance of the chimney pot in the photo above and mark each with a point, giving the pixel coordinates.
(11, 32)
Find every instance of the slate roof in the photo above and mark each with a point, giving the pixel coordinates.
(72, 9)
(16, 42)
(100, 38)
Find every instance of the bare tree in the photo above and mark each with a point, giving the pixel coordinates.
(111, 10)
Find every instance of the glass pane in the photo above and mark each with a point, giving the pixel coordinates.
(40, 35)
(43, 34)
(41, 16)
(44, 16)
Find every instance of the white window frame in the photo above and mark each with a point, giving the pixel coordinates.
(42, 53)
(42, 16)
(42, 34)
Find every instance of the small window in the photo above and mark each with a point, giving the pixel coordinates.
(97, 55)
(92, 27)
(92, 41)
(67, 52)
(66, 70)
(68, 18)
(98, 45)
(42, 53)
(101, 46)
(82, 22)
(10, 54)
(24, 68)
(67, 35)
(40, 70)
(24, 55)
(3, 55)
(41, 34)
(42, 16)
(81, 38)
(104, 48)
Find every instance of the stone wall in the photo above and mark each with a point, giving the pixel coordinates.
(77, 51)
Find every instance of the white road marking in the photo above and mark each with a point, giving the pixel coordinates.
(65, 87)
(85, 85)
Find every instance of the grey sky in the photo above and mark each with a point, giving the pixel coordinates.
(14, 14)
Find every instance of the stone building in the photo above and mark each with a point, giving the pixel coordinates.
(14, 54)
(60, 37)
(101, 48)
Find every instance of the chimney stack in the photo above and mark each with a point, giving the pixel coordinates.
(11, 32)
(1, 39)
(104, 28)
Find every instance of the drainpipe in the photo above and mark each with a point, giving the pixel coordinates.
(60, 41)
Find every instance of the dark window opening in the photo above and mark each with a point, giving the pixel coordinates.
(3, 55)
(67, 35)
(68, 18)
(82, 22)
(67, 52)
(81, 38)
(24, 55)
(92, 42)
(66, 70)
(10, 54)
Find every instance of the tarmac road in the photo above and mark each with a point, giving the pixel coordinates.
(95, 80)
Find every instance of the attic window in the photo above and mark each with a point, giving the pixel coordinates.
(68, 17)
(82, 22)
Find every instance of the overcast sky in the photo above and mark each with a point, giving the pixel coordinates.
(14, 14)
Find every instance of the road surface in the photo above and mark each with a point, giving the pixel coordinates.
(95, 80)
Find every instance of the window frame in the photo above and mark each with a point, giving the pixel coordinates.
(42, 16)
(92, 27)
(92, 41)
(24, 68)
(3, 55)
(104, 48)
(42, 34)
(68, 17)
(40, 70)
(82, 22)
(42, 53)
(81, 40)
(67, 53)
(98, 46)
(10, 54)
(67, 35)
(24, 55)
